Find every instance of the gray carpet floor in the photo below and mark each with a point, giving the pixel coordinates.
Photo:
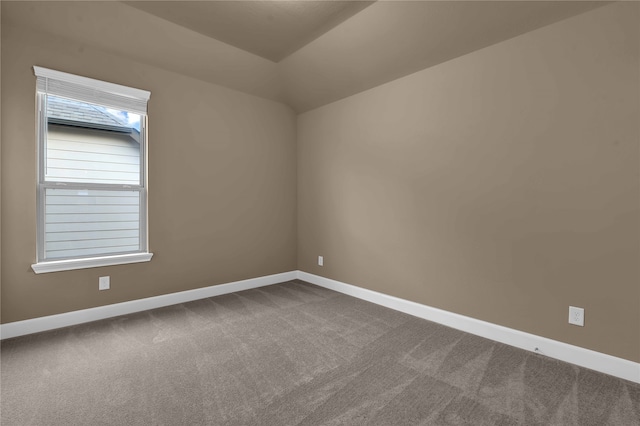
(293, 354)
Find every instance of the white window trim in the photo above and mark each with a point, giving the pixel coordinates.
(45, 266)
(103, 86)
(90, 90)
(90, 262)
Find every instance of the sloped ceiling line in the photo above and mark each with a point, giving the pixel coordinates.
(302, 53)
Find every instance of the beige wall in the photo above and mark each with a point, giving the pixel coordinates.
(222, 178)
(503, 185)
(120, 29)
(0, 165)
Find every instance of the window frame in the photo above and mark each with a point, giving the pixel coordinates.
(101, 88)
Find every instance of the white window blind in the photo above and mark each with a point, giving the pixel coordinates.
(92, 91)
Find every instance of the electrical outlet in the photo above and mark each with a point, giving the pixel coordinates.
(320, 261)
(576, 316)
(104, 283)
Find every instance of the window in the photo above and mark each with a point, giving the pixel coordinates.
(92, 192)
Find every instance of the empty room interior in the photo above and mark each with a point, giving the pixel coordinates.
(320, 213)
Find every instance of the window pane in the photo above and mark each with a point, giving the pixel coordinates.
(82, 223)
(91, 144)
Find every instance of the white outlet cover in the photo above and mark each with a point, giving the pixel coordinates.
(576, 316)
(320, 260)
(104, 283)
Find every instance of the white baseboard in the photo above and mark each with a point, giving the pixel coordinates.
(598, 361)
(593, 360)
(35, 325)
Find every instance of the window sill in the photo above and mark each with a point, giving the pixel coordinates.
(92, 262)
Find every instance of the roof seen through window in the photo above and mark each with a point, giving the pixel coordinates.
(72, 112)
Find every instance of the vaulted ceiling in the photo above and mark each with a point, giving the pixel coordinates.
(304, 53)
(270, 29)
